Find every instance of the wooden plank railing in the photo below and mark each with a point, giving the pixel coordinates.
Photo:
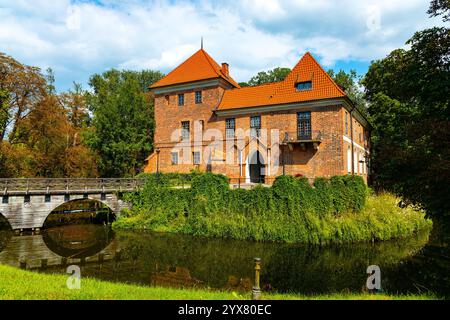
(68, 185)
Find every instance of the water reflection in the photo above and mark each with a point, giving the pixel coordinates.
(185, 261)
(5, 236)
(78, 241)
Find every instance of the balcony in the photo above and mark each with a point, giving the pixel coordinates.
(303, 139)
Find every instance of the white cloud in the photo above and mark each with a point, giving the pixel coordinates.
(79, 38)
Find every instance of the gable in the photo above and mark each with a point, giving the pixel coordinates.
(285, 92)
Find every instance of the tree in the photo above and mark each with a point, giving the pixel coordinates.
(440, 7)
(123, 120)
(349, 82)
(275, 75)
(409, 94)
(50, 78)
(49, 137)
(74, 101)
(21, 87)
(41, 130)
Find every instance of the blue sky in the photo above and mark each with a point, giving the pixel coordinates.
(79, 38)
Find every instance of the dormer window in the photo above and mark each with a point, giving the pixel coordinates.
(303, 86)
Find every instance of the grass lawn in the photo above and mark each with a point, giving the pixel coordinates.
(26, 285)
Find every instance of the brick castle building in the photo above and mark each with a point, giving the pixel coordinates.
(304, 125)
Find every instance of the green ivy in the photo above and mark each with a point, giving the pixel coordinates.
(290, 210)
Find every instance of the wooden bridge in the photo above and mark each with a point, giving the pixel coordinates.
(26, 203)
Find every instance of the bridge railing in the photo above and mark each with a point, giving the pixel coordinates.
(68, 185)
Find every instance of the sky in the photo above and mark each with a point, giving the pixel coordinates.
(80, 38)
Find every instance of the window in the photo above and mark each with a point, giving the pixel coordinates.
(198, 97)
(174, 157)
(202, 124)
(5, 199)
(230, 126)
(27, 199)
(85, 196)
(196, 157)
(181, 99)
(361, 162)
(303, 86)
(255, 126)
(103, 196)
(185, 130)
(303, 125)
(346, 123)
(47, 198)
(67, 197)
(349, 160)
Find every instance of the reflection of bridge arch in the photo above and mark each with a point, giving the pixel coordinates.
(77, 241)
(45, 250)
(5, 232)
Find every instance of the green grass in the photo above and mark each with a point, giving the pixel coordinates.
(16, 284)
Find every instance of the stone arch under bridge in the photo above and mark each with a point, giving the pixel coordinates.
(32, 214)
(26, 203)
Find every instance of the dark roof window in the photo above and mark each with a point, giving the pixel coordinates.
(303, 86)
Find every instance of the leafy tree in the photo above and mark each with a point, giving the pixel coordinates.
(50, 78)
(21, 87)
(74, 101)
(123, 120)
(40, 130)
(440, 7)
(275, 75)
(47, 144)
(349, 82)
(409, 94)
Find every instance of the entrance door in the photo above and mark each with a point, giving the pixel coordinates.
(256, 168)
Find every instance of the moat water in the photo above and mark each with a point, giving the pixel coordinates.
(418, 264)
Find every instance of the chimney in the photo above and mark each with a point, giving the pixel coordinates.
(225, 69)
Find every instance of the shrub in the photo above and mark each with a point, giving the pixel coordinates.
(209, 193)
(333, 210)
(324, 200)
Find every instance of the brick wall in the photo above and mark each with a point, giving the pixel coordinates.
(329, 159)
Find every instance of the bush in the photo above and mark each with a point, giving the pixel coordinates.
(333, 210)
(209, 193)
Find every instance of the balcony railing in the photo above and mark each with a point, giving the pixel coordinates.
(303, 138)
(299, 137)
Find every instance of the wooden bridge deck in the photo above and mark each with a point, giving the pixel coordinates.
(30, 186)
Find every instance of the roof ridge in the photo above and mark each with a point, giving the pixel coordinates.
(326, 73)
(179, 66)
(208, 58)
(218, 70)
(257, 86)
(199, 66)
(284, 92)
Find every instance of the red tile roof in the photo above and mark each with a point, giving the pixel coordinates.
(285, 92)
(200, 66)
